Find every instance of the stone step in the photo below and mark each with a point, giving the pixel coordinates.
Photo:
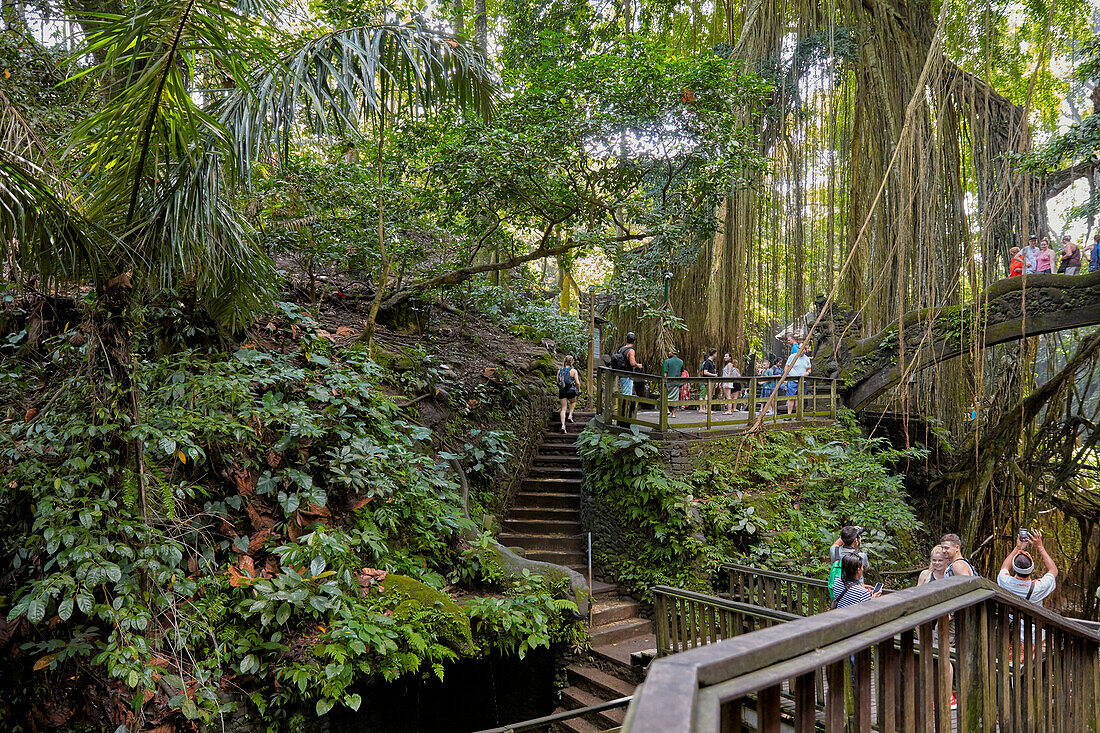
(571, 428)
(527, 514)
(598, 682)
(560, 542)
(553, 485)
(570, 559)
(573, 473)
(574, 697)
(602, 589)
(548, 500)
(610, 610)
(554, 459)
(619, 631)
(576, 725)
(542, 526)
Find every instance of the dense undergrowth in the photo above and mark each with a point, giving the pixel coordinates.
(298, 534)
(776, 500)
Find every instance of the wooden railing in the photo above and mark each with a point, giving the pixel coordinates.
(795, 594)
(1020, 668)
(685, 619)
(815, 399)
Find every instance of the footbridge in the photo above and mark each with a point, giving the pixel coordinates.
(1008, 310)
(768, 655)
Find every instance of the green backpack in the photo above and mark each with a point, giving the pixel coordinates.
(834, 573)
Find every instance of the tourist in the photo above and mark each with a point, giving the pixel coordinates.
(1045, 258)
(625, 360)
(1070, 261)
(767, 369)
(568, 382)
(1031, 254)
(957, 564)
(1094, 254)
(708, 369)
(673, 366)
(1016, 262)
(937, 566)
(849, 589)
(685, 387)
(799, 363)
(849, 543)
(729, 369)
(1018, 569)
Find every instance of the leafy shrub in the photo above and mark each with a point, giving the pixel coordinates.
(530, 317)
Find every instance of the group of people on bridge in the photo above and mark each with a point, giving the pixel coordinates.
(1037, 257)
(1017, 573)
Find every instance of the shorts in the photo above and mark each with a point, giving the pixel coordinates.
(790, 388)
(626, 385)
(1072, 270)
(567, 393)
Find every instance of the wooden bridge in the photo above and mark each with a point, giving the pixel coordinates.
(705, 410)
(771, 657)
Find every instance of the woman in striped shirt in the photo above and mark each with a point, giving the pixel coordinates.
(849, 588)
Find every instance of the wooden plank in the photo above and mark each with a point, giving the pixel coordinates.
(968, 711)
(926, 681)
(661, 622)
(863, 691)
(887, 666)
(834, 700)
(674, 626)
(768, 713)
(908, 722)
(805, 704)
(1027, 692)
(731, 717)
(1016, 668)
(986, 670)
(943, 676)
(1004, 704)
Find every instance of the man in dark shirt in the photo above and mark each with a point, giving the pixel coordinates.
(709, 369)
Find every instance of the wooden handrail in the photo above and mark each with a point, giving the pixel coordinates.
(795, 594)
(685, 619)
(888, 644)
(815, 398)
(546, 720)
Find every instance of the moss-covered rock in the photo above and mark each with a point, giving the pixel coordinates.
(450, 621)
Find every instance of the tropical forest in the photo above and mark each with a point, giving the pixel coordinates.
(393, 366)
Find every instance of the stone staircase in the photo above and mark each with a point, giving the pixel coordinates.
(545, 518)
(545, 521)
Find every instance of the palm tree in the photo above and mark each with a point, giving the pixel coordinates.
(156, 166)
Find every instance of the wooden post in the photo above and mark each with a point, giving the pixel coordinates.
(660, 618)
(832, 399)
(591, 339)
(706, 387)
(801, 398)
(752, 401)
(662, 405)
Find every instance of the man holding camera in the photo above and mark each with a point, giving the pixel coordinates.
(851, 537)
(1016, 571)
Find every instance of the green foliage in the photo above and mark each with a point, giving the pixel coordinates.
(299, 534)
(660, 526)
(529, 317)
(526, 616)
(781, 501)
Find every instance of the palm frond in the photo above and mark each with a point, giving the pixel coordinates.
(342, 78)
(16, 134)
(45, 234)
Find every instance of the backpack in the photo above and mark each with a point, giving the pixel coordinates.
(619, 360)
(834, 573)
(565, 378)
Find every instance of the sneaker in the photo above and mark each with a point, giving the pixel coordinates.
(954, 702)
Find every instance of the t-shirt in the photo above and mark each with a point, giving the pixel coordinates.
(672, 366)
(1016, 267)
(856, 593)
(1031, 255)
(1043, 260)
(801, 364)
(1044, 586)
(708, 366)
(838, 551)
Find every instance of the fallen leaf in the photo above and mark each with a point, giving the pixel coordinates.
(44, 662)
(345, 331)
(121, 280)
(361, 503)
(247, 565)
(30, 415)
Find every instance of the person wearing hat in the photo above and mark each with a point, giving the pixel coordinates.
(673, 366)
(1031, 255)
(1018, 570)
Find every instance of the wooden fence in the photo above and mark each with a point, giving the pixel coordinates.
(814, 400)
(1020, 668)
(685, 619)
(795, 594)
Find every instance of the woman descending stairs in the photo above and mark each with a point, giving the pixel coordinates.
(545, 522)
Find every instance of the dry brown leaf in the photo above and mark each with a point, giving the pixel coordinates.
(345, 331)
(44, 662)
